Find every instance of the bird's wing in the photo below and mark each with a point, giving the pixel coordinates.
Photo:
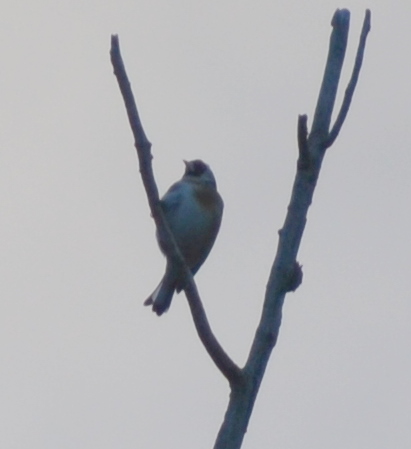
(172, 199)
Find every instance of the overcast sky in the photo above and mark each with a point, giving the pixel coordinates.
(83, 364)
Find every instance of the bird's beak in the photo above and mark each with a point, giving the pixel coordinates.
(187, 164)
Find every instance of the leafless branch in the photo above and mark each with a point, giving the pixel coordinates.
(302, 134)
(349, 92)
(286, 272)
(229, 369)
(328, 91)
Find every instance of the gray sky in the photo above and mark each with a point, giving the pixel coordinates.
(83, 364)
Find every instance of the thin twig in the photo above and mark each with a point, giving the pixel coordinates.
(229, 369)
(142, 144)
(302, 134)
(328, 91)
(353, 81)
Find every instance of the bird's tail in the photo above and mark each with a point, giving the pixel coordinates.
(160, 299)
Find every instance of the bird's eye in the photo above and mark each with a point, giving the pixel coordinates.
(199, 167)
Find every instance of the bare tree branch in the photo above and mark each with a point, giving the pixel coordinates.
(142, 144)
(229, 369)
(349, 92)
(223, 362)
(302, 134)
(286, 273)
(328, 91)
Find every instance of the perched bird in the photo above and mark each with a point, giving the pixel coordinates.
(193, 209)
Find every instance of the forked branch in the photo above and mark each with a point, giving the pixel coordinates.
(349, 92)
(286, 273)
(285, 268)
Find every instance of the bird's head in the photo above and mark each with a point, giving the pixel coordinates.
(199, 170)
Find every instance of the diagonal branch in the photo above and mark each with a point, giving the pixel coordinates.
(229, 369)
(349, 92)
(142, 144)
(223, 362)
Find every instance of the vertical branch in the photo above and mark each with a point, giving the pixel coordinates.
(328, 91)
(286, 273)
(349, 92)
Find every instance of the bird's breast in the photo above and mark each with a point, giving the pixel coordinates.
(195, 220)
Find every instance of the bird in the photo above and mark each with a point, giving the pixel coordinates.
(193, 209)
